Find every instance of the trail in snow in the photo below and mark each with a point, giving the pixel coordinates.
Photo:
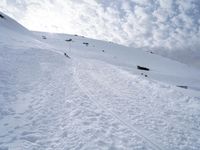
(95, 101)
(54, 113)
(89, 104)
(164, 117)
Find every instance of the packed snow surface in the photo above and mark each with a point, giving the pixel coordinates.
(94, 99)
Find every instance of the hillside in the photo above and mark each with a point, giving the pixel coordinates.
(62, 92)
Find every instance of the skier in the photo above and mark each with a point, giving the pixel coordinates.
(67, 55)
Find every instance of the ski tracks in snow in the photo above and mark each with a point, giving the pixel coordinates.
(95, 100)
(88, 104)
(159, 118)
(56, 114)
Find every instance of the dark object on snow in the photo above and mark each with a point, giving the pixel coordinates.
(75, 35)
(103, 51)
(144, 75)
(1, 16)
(44, 37)
(143, 68)
(69, 40)
(151, 52)
(182, 86)
(85, 43)
(67, 55)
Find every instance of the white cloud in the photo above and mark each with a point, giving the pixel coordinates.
(167, 24)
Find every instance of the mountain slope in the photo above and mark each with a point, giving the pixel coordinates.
(96, 99)
(161, 68)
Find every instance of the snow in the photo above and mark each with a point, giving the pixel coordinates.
(97, 99)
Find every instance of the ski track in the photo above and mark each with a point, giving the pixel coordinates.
(57, 115)
(161, 117)
(89, 104)
(95, 101)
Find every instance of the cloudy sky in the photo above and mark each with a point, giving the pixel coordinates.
(162, 24)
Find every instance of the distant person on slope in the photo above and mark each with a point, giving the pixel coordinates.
(67, 55)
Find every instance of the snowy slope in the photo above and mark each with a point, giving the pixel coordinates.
(161, 68)
(97, 99)
(14, 34)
